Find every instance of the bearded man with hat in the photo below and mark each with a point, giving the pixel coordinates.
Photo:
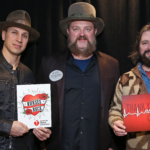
(82, 85)
(16, 32)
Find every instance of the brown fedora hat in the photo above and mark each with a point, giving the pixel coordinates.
(20, 19)
(82, 11)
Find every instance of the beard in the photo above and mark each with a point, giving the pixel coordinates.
(145, 60)
(84, 52)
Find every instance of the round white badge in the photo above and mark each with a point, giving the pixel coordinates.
(55, 75)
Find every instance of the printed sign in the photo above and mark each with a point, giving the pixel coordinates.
(136, 112)
(34, 105)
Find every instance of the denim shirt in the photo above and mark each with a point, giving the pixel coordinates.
(144, 77)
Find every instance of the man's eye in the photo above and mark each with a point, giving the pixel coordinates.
(75, 29)
(14, 32)
(25, 36)
(88, 29)
(144, 43)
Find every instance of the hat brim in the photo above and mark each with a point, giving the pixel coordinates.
(33, 34)
(98, 23)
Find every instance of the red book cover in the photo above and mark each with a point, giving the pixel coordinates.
(136, 112)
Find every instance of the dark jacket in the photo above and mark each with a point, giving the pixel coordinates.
(109, 74)
(8, 113)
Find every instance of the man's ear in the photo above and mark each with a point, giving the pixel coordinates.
(95, 31)
(68, 31)
(3, 35)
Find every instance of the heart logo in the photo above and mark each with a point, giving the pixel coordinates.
(36, 122)
(34, 104)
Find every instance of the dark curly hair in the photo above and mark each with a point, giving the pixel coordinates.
(135, 55)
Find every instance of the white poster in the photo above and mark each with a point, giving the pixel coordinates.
(34, 105)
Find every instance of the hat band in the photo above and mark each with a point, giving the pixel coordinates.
(23, 22)
(82, 15)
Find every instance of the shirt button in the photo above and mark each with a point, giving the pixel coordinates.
(82, 88)
(81, 132)
(83, 74)
(82, 103)
(81, 117)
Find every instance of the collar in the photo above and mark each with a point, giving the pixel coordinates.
(95, 54)
(6, 64)
(141, 69)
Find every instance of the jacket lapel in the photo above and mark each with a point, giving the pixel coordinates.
(61, 65)
(103, 78)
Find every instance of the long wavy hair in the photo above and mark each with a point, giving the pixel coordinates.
(135, 55)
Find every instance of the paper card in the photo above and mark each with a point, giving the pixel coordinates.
(136, 112)
(34, 105)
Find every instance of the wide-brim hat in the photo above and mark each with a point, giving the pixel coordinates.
(82, 11)
(20, 19)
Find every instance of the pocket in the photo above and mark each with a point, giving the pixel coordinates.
(3, 142)
(2, 139)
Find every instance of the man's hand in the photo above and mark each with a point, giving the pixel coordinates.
(110, 149)
(42, 133)
(119, 128)
(18, 129)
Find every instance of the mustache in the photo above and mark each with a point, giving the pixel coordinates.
(147, 51)
(82, 38)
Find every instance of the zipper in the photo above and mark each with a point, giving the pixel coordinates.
(10, 144)
(13, 111)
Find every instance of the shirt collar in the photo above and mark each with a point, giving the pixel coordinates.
(141, 69)
(94, 57)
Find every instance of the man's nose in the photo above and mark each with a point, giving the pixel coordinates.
(19, 38)
(82, 32)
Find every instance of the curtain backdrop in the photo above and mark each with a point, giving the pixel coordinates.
(123, 20)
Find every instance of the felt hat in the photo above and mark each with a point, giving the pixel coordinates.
(82, 11)
(20, 19)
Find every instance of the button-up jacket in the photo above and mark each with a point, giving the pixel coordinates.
(8, 103)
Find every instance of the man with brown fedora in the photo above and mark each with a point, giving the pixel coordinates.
(16, 32)
(82, 85)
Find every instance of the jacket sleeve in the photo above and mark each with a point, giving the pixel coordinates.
(115, 112)
(5, 127)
